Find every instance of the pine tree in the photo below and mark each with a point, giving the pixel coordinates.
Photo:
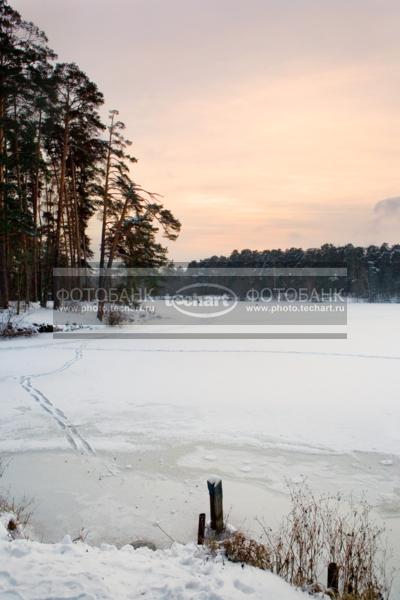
(128, 211)
(23, 56)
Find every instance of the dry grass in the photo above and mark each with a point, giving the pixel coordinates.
(11, 327)
(115, 317)
(21, 511)
(316, 532)
(239, 548)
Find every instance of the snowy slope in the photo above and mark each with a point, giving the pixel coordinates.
(35, 571)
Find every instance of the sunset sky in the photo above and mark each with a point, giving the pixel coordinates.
(264, 123)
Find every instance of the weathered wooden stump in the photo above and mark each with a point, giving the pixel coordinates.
(201, 529)
(333, 577)
(216, 504)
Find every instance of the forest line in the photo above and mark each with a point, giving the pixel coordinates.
(373, 272)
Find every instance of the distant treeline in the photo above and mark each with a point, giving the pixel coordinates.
(373, 273)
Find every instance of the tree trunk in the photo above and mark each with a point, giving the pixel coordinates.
(23, 209)
(100, 311)
(61, 194)
(3, 213)
(35, 202)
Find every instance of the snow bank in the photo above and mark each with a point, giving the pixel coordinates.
(32, 571)
(3, 532)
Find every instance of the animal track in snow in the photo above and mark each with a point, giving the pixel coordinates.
(75, 439)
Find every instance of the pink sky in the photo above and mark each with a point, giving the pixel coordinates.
(263, 123)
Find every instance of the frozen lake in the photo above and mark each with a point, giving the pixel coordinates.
(119, 436)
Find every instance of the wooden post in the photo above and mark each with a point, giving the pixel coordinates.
(216, 507)
(333, 577)
(202, 527)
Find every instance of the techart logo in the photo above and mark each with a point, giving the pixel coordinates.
(203, 300)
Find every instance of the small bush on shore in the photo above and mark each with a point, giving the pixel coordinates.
(15, 515)
(239, 548)
(115, 317)
(315, 533)
(12, 326)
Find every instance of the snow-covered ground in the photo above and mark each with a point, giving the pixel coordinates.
(309, 395)
(115, 435)
(35, 571)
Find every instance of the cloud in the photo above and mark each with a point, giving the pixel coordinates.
(388, 208)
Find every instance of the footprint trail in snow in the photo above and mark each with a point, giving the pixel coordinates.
(74, 437)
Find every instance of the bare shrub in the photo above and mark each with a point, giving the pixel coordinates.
(297, 546)
(81, 537)
(21, 511)
(318, 531)
(12, 327)
(355, 544)
(321, 530)
(115, 317)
